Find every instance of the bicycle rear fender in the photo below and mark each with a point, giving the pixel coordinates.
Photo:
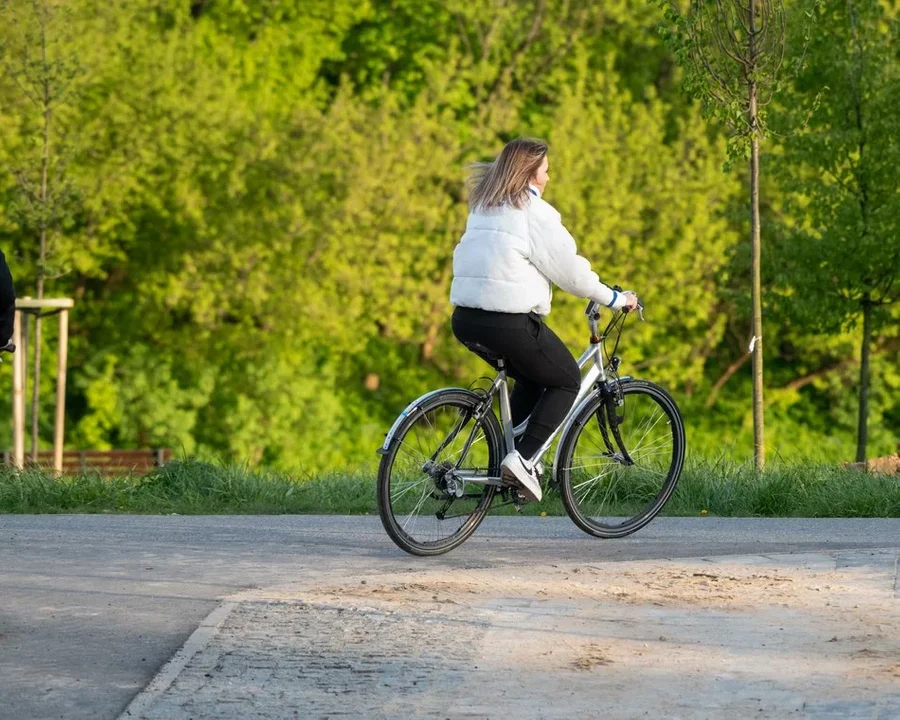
(575, 413)
(410, 409)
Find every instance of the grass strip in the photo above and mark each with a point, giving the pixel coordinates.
(192, 487)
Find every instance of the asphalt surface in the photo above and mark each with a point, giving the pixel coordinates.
(92, 606)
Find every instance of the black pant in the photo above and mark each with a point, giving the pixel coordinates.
(7, 302)
(547, 376)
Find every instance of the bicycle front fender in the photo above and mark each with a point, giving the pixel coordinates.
(574, 414)
(410, 409)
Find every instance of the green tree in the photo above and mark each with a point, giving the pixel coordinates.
(839, 261)
(266, 197)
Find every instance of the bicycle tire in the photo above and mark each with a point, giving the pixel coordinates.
(611, 481)
(399, 531)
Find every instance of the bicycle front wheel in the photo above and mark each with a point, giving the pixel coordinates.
(615, 480)
(425, 505)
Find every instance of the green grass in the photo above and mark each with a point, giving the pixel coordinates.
(192, 487)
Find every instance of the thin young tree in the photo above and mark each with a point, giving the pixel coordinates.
(41, 71)
(733, 52)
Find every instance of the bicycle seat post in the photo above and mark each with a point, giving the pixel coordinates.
(505, 412)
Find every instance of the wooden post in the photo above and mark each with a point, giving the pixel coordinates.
(61, 392)
(23, 351)
(18, 361)
(53, 304)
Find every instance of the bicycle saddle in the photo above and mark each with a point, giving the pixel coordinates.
(485, 353)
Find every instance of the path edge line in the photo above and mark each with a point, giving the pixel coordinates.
(167, 674)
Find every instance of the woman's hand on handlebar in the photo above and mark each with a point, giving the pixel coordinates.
(631, 301)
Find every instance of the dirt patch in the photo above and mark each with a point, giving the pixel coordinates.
(729, 587)
(760, 637)
(890, 464)
(591, 657)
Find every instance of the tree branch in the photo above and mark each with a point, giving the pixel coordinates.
(740, 13)
(464, 35)
(813, 376)
(720, 383)
(733, 41)
(698, 54)
(737, 58)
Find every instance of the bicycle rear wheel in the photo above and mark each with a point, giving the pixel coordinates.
(417, 502)
(609, 493)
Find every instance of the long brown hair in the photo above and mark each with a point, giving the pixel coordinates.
(506, 179)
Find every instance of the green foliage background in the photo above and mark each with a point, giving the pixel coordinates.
(262, 199)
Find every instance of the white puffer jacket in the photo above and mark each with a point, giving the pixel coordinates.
(507, 259)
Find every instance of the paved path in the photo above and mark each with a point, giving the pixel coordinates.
(91, 607)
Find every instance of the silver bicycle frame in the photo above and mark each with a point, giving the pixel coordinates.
(592, 357)
(596, 373)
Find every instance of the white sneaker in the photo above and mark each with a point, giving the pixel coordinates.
(517, 469)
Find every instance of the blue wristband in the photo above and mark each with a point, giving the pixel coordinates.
(613, 301)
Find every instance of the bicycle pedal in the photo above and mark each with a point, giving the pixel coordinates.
(517, 500)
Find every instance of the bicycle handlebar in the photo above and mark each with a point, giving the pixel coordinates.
(593, 307)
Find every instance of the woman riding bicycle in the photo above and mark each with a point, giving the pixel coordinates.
(514, 247)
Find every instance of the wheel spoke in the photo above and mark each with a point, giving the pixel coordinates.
(662, 414)
(413, 453)
(395, 496)
(593, 479)
(415, 511)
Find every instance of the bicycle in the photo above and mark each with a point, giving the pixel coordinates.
(440, 461)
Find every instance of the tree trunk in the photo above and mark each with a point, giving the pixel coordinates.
(862, 437)
(759, 446)
(759, 443)
(856, 78)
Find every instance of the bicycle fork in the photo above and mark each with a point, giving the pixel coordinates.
(609, 408)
